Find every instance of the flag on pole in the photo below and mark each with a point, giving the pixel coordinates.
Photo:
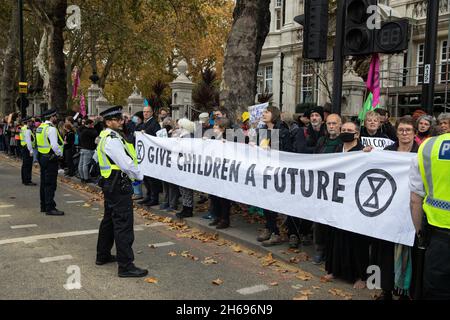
(373, 87)
(82, 105)
(76, 82)
(145, 103)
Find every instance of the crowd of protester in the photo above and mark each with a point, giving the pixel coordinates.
(315, 131)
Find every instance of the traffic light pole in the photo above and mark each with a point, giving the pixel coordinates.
(430, 56)
(338, 58)
(23, 110)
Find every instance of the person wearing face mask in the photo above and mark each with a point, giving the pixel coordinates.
(424, 125)
(50, 146)
(348, 253)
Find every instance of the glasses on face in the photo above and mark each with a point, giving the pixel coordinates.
(405, 131)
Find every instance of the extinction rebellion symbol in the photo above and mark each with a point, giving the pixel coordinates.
(140, 151)
(374, 192)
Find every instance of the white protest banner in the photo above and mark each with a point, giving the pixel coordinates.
(366, 193)
(377, 143)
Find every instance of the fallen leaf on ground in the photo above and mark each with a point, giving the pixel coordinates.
(300, 297)
(87, 205)
(217, 282)
(172, 254)
(167, 220)
(274, 284)
(316, 288)
(325, 279)
(340, 293)
(152, 246)
(209, 260)
(236, 249)
(151, 280)
(306, 292)
(268, 260)
(185, 254)
(305, 276)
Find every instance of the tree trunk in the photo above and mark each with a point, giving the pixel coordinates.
(52, 14)
(7, 103)
(57, 66)
(243, 52)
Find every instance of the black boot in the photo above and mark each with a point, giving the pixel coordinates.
(185, 213)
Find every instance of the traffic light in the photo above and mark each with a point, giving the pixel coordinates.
(393, 36)
(361, 35)
(315, 29)
(358, 37)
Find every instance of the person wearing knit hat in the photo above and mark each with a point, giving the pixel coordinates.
(317, 109)
(424, 125)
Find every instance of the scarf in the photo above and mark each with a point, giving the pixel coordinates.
(403, 268)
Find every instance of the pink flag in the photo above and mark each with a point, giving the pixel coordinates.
(373, 80)
(82, 105)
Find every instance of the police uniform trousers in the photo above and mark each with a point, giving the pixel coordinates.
(117, 223)
(49, 175)
(27, 165)
(436, 277)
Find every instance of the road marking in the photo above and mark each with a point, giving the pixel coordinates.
(48, 236)
(75, 201)
(3, 206)
(95, 209)
(23, 226)
(57, 258)
(162, 244)
(5, 216)
(252, 290)
(67, 195)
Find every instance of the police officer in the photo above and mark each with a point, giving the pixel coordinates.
(50, 148)
(118, 167)
(430, 194)
(28, 142)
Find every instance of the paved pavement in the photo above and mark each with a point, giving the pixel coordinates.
(40, 256)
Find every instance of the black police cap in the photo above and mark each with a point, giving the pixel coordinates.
(111, 113)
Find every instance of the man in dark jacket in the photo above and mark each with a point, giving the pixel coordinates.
(150, 126)
(306, 139)
(87, 134)
(331, 143)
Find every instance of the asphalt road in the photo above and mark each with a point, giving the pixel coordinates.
(39, 255)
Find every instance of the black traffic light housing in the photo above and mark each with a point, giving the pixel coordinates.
(358, 38)
(392, 37)
(361, 39)
(315, 29)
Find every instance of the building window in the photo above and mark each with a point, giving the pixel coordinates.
(265, 79)
(445, 60)
(307, 82)
(278, 14)
(420, 61)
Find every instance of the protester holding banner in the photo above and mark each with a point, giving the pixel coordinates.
(171, 192)
(221, 206)
(348, 252)
(424, 125)
(394, 260)
(271, 117)
(186, 128)
(150, 126)
(328, 144)
(372, 126)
